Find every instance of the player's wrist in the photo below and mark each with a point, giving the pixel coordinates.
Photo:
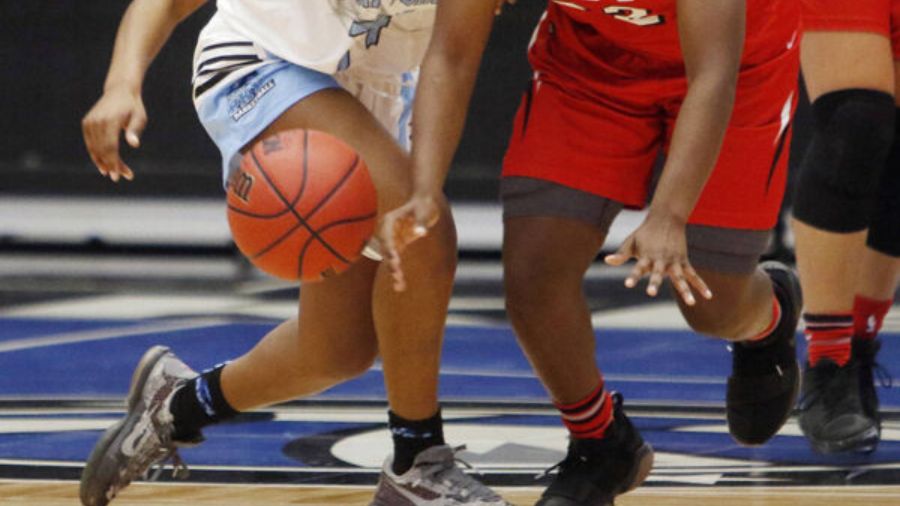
(671, 214)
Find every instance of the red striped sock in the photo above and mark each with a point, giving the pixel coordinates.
(590, 417)
(828, 336)
(868, 316)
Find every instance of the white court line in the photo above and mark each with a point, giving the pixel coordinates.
(109, 333)
(626, 378)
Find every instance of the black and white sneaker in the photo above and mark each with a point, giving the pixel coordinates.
(595, 471)
(133, 445)
(434, 479)
(765, 376)
(832, 416)
(865, 352)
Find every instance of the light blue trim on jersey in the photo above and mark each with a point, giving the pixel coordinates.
(408, 95)
(235, 113)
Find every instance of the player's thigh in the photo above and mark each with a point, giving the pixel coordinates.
(835, 61)
(551, 231)
(337, 112)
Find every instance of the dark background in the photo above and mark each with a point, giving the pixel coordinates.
(55, 54)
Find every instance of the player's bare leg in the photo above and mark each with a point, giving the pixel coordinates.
(545, 260)
(758, 311)
(546, 304)
(342, 323)
(408, 325)
(847, 91)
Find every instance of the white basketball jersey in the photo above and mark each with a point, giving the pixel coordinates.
(381, 36)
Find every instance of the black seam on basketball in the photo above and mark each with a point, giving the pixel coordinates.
(346, 221)
(276, 242)
(293, 211)
(304, 168)
(258, 216)
(279, 214)
(335, 189)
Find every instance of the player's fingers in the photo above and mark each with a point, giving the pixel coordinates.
(135, 127)
(640, 268)
(372, 250)
(676, 274)
(622, 255)
(397, 274)
(90, 130)
(657, 274)
(98, 164)
(697, 282)
(126, 171)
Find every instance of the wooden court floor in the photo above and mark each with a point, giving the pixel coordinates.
(45, 493)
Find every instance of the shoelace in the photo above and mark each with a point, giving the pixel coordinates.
(180, 470)
(569, 461)
(448, 474)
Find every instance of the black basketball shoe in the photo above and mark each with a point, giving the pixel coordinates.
(865, 351)
(832, 416)
(765, 375)
(595, 471)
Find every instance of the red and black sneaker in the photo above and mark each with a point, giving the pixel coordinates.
(595, 471)
(765, 375)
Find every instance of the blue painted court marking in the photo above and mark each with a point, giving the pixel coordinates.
(478, 363)
(667, 377)
(100, 333)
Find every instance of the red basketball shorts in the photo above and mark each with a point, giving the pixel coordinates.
(877, 16)
(604, 139)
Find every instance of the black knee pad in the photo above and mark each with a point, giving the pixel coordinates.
(884, 229)
(838, 182)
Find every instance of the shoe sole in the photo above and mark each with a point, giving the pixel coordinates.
(643, 464)
(95, 463)
(641, 470)
(864, 442)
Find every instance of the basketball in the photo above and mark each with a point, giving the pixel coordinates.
(302, 205)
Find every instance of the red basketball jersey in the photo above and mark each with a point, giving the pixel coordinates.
(612, 39)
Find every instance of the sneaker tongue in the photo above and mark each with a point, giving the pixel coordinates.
(434, 455)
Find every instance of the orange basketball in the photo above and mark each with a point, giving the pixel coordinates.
(302, 205)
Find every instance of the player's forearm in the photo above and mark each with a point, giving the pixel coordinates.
(712, 40)
(438, 121)
(447, 79)
(696, 142)
(145, 28)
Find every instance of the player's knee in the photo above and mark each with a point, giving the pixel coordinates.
(712, 320)
(352, 364)
(884, 229)
(524, 285)
(840, 174)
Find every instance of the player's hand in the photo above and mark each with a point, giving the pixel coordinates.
(118, 110)
(401, 227)
(660, 247)
(501, 3)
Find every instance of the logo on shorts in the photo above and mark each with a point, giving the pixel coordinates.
(240, 183)
(244, 99)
